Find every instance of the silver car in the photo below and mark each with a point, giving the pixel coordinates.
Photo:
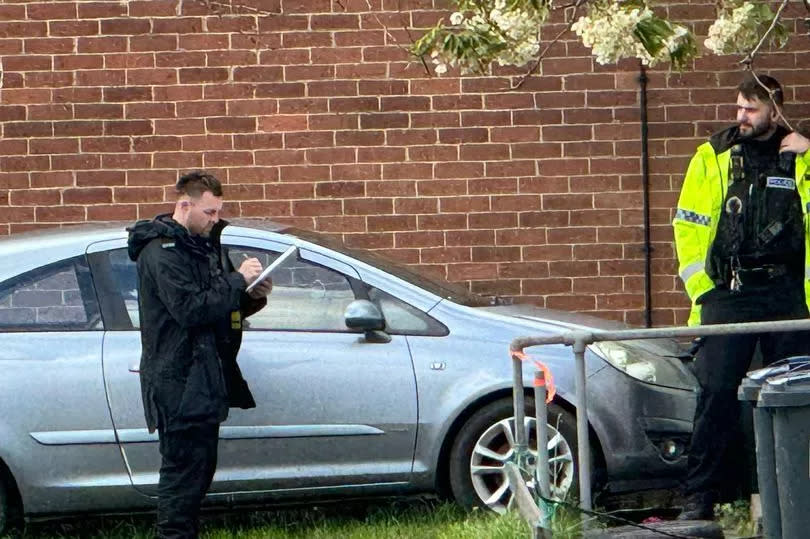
(370, 379)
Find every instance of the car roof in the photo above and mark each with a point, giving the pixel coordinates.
(28, 250)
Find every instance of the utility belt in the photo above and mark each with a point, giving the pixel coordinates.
(761, 275)
(743, 277)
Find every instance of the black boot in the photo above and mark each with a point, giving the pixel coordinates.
(698, 506)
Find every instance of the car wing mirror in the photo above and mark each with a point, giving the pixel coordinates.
(364, 315)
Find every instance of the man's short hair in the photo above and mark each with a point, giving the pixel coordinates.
(751, 88)
(197, 182)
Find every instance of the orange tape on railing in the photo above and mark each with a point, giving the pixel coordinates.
(548, 379)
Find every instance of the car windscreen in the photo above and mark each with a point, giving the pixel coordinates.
(447, 290)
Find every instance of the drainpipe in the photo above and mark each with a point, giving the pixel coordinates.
(645, 183)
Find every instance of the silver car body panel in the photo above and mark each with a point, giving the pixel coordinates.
(336, 415)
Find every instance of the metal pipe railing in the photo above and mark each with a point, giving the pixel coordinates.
(579, 340)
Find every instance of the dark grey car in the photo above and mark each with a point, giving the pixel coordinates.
(369, 378)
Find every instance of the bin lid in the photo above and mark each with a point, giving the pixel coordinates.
(789, 389)
(752, 383)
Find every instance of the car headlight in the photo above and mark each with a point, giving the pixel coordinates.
(644, 361)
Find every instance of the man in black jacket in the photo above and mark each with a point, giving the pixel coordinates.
(192, 303)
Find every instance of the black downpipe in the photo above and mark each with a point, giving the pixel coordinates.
(645, 183)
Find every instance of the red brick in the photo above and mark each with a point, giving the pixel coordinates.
(149, 177)
(310, 139)
(353, 104)
(112, 212)
(101, 10)
(178, 160)
(380, 155)
(298, 106)
(304, 173)
(125, 26)
(317, 72)
(207, 142)
(257, 74)
(51, 179)
(257, 141)
(316, 207)
(53, 146)
(329, 156)
(280, 90)
(28, 129)
(331, 88)
(95, 195)
(59, 214)
(194, 75)
(435, 153)
(35, 197)
(369, 241)
(13, 147)
(195, 109)
(126, 127)
(227, 124)
(368, 206)
(404, 103)
(54, 46)
(133, 93)
(105, 144)
(340, 189)
(11, 113)
(336, 55)
(359, 138)
(356, 172)
(98, 77)
(383, 87)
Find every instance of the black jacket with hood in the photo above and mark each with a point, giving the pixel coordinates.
(192, 303)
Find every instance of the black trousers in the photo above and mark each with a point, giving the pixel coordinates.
(189, 459)
(720, 458)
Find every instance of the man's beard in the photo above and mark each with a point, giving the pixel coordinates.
(754, 131)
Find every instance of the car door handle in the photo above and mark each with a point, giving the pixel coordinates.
(135, 368)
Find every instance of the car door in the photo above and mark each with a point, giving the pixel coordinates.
(332, 409)
(55, 431)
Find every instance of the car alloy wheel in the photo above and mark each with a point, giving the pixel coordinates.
(497, 446)
(487, 441)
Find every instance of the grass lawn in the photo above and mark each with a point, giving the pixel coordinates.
(401, 519)
(409, 518)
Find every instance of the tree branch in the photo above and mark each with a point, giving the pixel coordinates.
(749, 60)
(545, 50)
(775, 105)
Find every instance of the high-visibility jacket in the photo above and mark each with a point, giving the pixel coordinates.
(699, 206)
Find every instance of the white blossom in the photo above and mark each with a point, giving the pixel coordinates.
(734, 32)
(610, 32)
(456, 18)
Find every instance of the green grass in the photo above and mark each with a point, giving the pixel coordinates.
(399, 519)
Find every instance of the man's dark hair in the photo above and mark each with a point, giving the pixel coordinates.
(197, 182)
(751, 88)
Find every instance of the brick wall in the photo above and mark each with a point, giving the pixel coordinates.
(313, 114)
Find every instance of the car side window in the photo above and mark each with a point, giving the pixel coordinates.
(404, 319)
(305, 296)
(56, 297)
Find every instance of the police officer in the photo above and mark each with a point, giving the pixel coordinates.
(742, 244)
(192, 302)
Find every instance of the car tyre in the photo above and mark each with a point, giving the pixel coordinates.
(11, 521)
(483, 442)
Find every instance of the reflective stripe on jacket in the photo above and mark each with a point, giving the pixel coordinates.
(699, 206)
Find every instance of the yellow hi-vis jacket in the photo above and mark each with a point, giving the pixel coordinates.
(699, 206)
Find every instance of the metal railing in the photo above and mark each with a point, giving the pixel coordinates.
(579, 341)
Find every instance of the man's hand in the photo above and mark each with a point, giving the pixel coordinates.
(795, 143)
(250, 269)
(262, 289)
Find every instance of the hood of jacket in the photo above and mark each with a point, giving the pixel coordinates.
(725, 139)
(163, 226)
